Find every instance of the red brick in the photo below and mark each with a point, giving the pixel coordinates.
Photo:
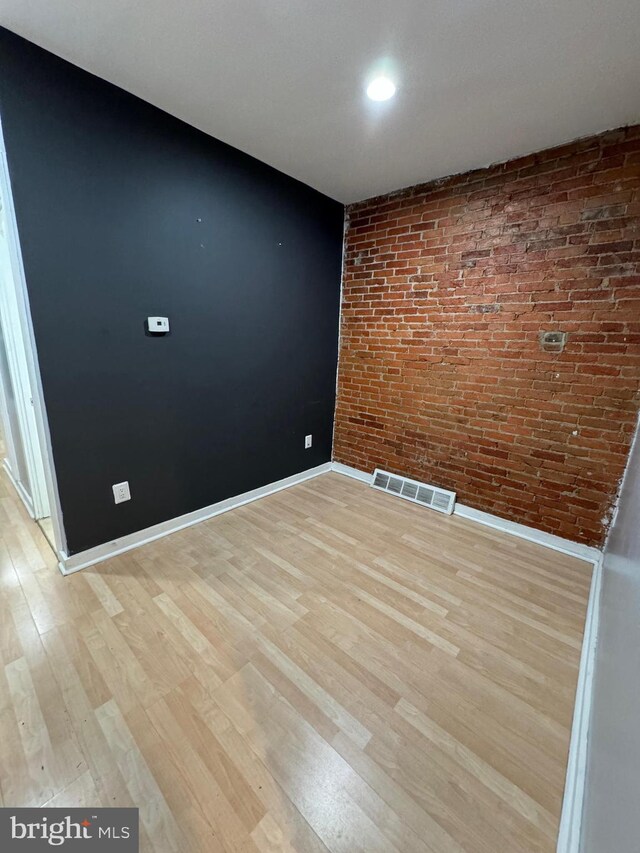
(446, 289)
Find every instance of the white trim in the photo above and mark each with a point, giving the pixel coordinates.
(557, 543)
(574, 789)
(17, 350)
(351, 472)
(24, 496)
(573, 804)
(5, 421)
(83, 559)
(345, 228)
(46, 499)
(565, 546)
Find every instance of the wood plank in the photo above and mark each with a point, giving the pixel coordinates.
(327, 670)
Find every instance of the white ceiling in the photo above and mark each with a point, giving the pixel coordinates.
(479, 81)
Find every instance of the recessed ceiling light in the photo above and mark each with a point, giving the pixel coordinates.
(381, 89)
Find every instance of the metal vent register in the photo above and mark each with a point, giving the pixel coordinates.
(411, 490)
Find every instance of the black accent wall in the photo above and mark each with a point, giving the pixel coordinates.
(124, 212)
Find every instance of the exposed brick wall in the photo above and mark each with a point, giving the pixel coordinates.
(446, 289)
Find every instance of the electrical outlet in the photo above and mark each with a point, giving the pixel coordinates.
(308, 440)
(121, 492)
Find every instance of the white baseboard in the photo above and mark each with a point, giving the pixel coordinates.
(17, 485)
(574, 789)
(351, 472)
(83, 559)
(566, 546)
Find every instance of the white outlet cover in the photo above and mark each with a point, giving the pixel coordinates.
(121, 492)
(308, 441)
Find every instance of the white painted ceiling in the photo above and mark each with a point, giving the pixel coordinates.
(479, 81)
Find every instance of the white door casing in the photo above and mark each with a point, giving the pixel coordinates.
(15, 317)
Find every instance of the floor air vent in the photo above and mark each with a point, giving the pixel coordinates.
(411, 490)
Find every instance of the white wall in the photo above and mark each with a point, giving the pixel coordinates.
(14, 447)
(612, 816)
(14, 451)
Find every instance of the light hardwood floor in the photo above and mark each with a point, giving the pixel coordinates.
(326, 669)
